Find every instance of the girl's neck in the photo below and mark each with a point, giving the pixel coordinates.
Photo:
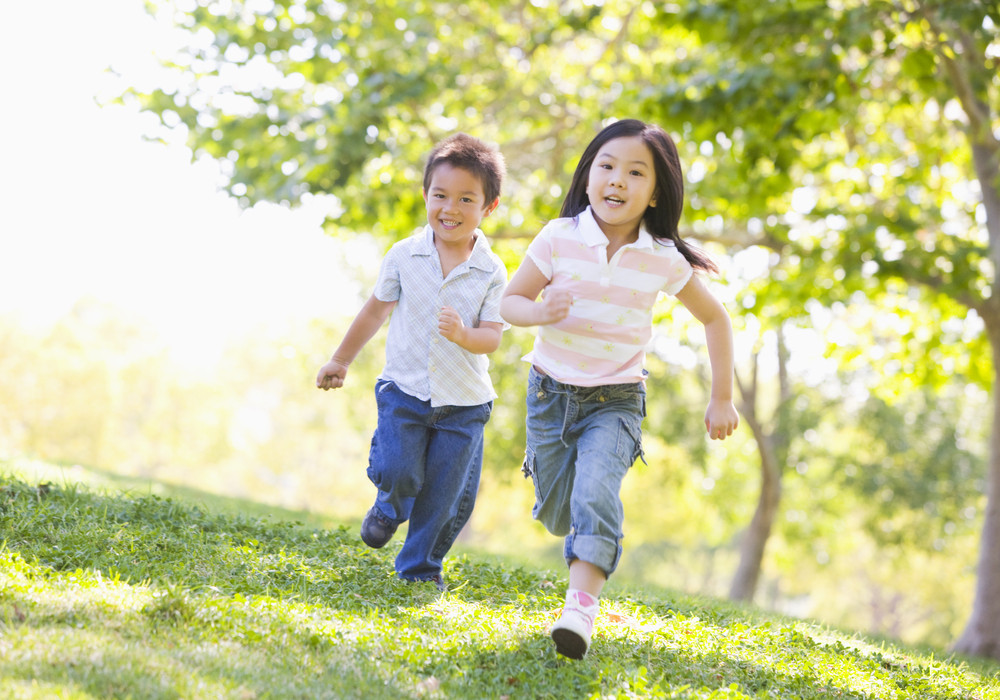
(618, 236)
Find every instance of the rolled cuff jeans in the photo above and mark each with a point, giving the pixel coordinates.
(580, 443)
(426, 462)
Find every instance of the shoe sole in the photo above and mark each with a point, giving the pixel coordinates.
(569, 643)
(376, 544)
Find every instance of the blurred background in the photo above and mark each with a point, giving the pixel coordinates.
(196, 196)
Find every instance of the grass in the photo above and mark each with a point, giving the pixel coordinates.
(108, 594)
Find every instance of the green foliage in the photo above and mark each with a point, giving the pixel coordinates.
(347, 99)
(113, 595)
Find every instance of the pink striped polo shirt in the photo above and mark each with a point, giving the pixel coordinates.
(604, 338)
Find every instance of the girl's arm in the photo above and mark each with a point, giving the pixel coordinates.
(366, 324)
(519, 306)
(721, 418)
(481, 340)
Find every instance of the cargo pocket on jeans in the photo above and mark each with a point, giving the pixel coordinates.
(630, 440)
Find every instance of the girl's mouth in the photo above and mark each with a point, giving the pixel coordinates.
(614, 201)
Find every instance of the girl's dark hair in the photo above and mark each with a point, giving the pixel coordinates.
(661, 221)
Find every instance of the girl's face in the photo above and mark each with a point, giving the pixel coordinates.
(622, 184)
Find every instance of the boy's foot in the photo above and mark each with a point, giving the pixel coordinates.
(376, 530)
(436, 579)
(572, 630)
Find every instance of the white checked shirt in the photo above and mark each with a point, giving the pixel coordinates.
(418, 359)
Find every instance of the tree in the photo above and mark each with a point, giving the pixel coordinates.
(861, 144)
(302, 97)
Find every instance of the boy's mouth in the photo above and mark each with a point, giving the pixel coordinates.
(448, 223)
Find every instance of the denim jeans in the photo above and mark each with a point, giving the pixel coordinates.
(581, 442)
(426, 463)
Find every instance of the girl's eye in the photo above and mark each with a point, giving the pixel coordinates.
(636, 173)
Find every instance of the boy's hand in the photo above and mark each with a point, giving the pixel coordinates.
(554, 306)
(721, 419)
(331, 375)
(450, 324)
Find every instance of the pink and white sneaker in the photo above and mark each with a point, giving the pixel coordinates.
(571, 632)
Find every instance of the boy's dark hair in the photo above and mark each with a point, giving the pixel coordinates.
(469, 153)
(661, 221)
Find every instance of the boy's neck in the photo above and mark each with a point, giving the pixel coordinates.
(453, 253)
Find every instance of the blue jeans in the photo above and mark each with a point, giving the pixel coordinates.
(426, 463)
(581, 442)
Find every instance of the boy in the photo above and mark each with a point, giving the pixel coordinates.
(434, 395)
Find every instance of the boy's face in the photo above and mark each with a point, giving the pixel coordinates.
(455, 204)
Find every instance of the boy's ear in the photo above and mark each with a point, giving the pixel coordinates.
(491, 207)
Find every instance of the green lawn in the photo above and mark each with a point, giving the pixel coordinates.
(108, 594)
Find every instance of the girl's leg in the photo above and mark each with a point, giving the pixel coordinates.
(608, 443)
(572, 631)
(584, 576)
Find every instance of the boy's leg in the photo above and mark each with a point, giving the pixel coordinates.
(396, 458)
(451, 481)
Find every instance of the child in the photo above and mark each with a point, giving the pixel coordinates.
(434, 395)
(599, 269)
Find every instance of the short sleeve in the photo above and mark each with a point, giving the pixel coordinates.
(490, 310)
(540, 251)
(387, 286)
(679, 273)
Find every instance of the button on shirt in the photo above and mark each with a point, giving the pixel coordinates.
(421, 361)
(603, 339)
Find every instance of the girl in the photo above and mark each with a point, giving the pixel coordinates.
(598, 269)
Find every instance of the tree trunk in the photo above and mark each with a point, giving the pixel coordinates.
(982, 633)
(769, 447)
(757, 533)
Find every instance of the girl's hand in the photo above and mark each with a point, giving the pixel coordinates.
(554, 306)
(721, 419)
(331, 375)
(450, 324)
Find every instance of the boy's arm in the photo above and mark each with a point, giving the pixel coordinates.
(721, 418)
(481, 340)
(518, 306)
(365, 325)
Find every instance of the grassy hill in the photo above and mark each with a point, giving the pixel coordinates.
(106, 594)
